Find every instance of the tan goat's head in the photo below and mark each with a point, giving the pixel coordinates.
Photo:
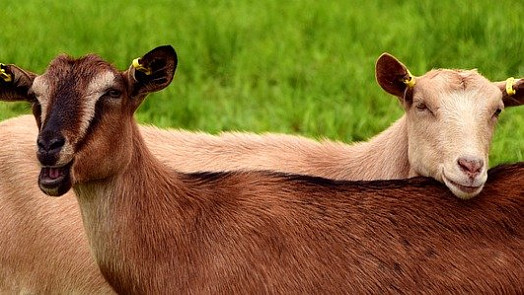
(451, 116)
(83, 108)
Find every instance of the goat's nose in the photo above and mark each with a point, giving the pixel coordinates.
(50, 144)
(471, 166)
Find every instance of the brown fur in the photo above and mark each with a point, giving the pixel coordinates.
(35, 269)
(238, 151)
(155, 230)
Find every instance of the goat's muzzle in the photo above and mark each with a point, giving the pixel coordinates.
(55, 181)
(49, 145)
(54, 178)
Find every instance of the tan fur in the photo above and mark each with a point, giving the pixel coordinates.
(155, 230)
(458, 123)
(181, 149)
(450, 119)
(188, 151)
(43, 246)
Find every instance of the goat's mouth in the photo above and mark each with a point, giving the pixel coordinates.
(55, 181)
(462, 191)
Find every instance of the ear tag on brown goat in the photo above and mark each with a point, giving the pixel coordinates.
(410, 80)
(140, 67)
(509, 86)
(4, 75)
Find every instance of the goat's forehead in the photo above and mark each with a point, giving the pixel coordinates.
(101, 82)
(87, 74)
(439, 84)
(67, 70)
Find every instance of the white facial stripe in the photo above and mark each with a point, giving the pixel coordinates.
(95, 90)
(65, 154)
(40, 88)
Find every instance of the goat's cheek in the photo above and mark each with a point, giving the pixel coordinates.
(426, 151)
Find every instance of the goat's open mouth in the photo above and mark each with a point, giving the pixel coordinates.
(55, 181)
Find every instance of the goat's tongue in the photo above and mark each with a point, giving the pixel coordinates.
(54, 173)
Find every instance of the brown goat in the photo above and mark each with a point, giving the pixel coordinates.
(155, 230)
(445, 134)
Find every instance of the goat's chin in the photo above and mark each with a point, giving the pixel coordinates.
(461, 191)
(55, 181)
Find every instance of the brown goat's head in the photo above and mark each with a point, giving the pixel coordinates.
(451, 115)
(83, 108)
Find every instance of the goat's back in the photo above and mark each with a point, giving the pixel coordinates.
(243, 232)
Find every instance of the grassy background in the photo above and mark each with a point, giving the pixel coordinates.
(302, 67)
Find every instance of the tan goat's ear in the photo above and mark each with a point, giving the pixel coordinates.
(152, 72)
(15, 83)
(512, 91)
(393, 76)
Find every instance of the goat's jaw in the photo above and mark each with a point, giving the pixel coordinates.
(463, 191)
(55, 181)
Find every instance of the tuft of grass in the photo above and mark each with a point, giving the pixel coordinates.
(302, 67)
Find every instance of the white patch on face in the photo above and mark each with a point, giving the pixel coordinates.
(96, 88)
(65, 154)
(40, 88)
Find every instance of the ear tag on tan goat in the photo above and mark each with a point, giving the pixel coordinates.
(509, 86)
(5, 76)
(410, 80)
(141, 68)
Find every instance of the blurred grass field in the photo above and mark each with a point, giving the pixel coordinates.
(301, 67)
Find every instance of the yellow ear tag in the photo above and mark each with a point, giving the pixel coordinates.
(410, 80)
(509, 86)
(5, 76)
(139, 67)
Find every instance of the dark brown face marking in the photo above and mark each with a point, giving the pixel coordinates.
(68, 84)
(72, 88)
(68, 95)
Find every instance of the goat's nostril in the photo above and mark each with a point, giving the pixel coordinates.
(56, 143)
(40, 143)
(471, 166)
(50, 145)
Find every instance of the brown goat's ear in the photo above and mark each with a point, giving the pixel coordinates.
(152, 72)
(15, 83)
(393, 76)
(512, 92)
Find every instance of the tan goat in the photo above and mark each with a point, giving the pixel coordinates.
(445, 134)
(154, 230)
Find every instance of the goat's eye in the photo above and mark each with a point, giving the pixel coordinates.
(422, 106)
(497, 113)
(113, 93)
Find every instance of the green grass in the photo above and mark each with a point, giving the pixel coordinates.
(302, 67)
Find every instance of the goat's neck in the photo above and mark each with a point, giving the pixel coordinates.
(384, 156)
(132, 218)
